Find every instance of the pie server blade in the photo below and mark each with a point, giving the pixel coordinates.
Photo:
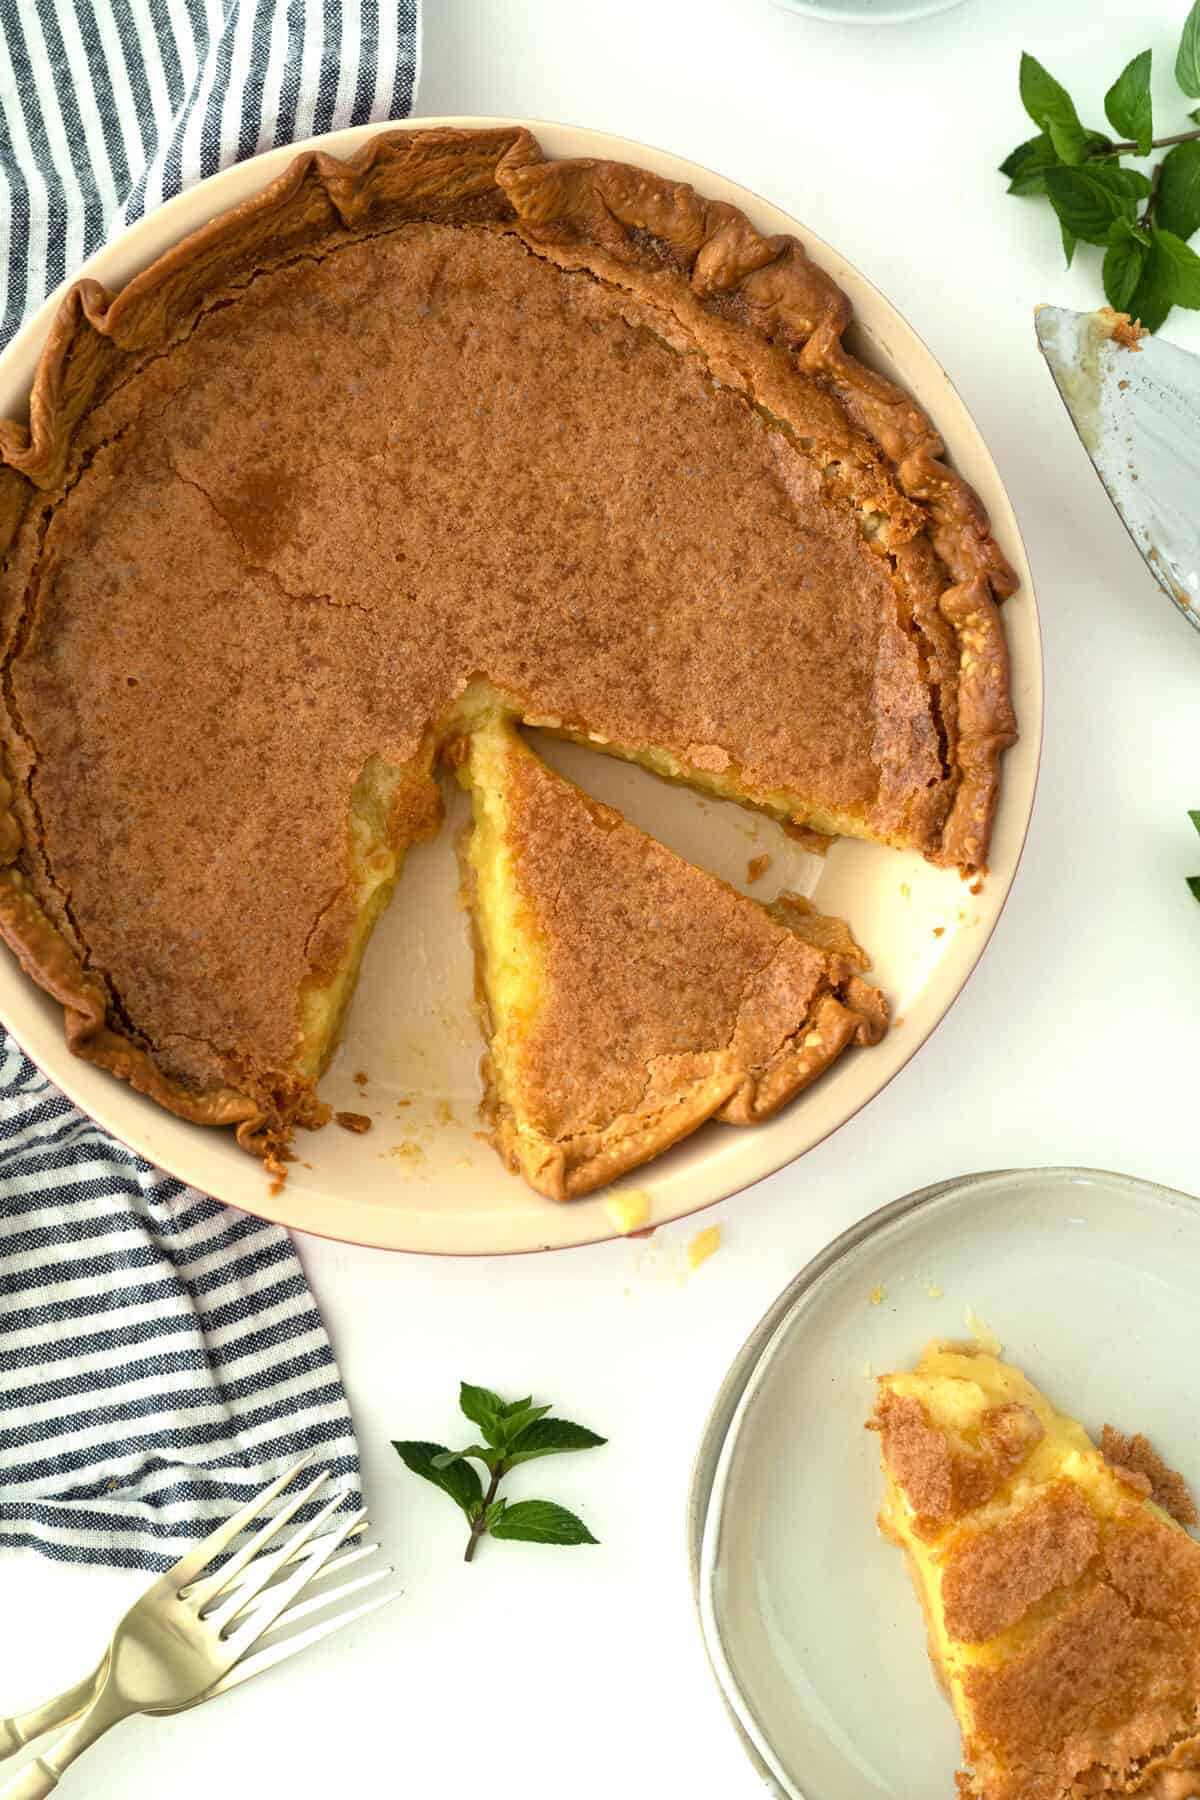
(1137, 413)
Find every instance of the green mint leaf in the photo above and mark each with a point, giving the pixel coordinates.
(1185, 263)
(1089, 201)
(477, 1451)
(550, 1437)
(456, 1478)
(484, 1409)
(1193, 882)
(542, 1522)
(495, 1513)
(1127, 181)
(1124, 261)
(1154, 295)
(1069, 241)
(1187, 61)
(1053, 111)
(1195, 818)
(1026, 165)
(1194, 115)
(482, 1454)
(514, 1424)
(515, 1406)
(1177, 208)
(1127, 103)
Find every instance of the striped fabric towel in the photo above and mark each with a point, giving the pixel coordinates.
(107, 110)
(160, 1356)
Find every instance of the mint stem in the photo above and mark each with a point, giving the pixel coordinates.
(480, 1524)
(1100, 153)
(1147, 218)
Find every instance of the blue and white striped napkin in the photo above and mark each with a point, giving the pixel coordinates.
(161, 1357)
(105, 111)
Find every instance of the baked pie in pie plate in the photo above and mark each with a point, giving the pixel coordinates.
(552, 460)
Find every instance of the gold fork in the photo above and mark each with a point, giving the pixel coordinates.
(186, 1638)
(23, 1728)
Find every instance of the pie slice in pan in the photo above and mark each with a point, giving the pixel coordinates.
(629, 996)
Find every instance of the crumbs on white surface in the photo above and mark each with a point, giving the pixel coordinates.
(934, 1289)
(663, 1258)
(352, 1121)
(706, 1243)
(408, 1151)
(443, 1112)
(868, 1371)
(905, 891)
(878, 1294)
(983, 1334)
(463, 1162)
(629, 1211)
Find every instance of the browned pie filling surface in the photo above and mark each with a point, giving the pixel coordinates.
(644, 994)
(274, 528)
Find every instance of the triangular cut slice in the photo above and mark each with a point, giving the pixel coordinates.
(1061, 1592)
(628, 995)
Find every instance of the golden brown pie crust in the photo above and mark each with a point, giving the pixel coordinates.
(1136, 1458)
(208, 493)
(670, 998)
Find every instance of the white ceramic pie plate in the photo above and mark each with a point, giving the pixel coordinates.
(1092, 1283)
(421, 1179)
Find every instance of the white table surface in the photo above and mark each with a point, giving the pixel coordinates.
(540, 1672)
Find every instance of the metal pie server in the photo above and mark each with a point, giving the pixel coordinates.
(1137, 412)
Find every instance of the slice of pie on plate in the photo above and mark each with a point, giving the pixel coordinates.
(1061, 1592)
(630, 996)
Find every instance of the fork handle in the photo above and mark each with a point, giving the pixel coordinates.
(22, 1728)
(33, 1782)
(42, 1776)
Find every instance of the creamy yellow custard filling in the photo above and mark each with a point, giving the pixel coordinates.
(512, 964)
(374, 869)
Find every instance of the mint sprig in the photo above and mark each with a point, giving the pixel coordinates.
(1141, 222)
(1193, 881)
(514, 1431)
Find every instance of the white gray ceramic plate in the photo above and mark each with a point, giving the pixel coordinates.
(421, 1180)
(1092, 1283)
(868, 12)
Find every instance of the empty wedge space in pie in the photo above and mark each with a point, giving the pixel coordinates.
(412, 446)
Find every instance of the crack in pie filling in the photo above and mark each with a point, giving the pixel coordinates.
(630, 996)
(1061, 1592)
(443, 419)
